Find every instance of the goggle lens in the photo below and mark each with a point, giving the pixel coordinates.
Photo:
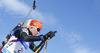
(38, 29)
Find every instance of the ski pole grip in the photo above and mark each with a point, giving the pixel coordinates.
(34, 6)
(21, 24)
(34, 3)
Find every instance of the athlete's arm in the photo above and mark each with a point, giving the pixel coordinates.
(27, 38)
(38, 48)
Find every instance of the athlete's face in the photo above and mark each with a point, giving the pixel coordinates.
(34, 30)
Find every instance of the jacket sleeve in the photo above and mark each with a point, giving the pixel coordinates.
(34, 48)
(27, 38)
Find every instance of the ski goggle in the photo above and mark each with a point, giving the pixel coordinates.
(38, 29)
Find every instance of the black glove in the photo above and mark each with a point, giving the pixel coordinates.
(49, 34)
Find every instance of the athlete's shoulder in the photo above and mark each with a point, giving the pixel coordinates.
(25, 30)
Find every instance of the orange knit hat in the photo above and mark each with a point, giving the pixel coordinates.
(37, 23)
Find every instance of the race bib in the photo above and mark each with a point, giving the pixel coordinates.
(14, 47)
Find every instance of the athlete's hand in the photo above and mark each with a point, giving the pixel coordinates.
(50, 34)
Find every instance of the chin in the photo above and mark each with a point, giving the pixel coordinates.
(33, 34)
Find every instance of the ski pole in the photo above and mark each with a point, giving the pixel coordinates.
(47, 42)
(41, 47)
(33, 8)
